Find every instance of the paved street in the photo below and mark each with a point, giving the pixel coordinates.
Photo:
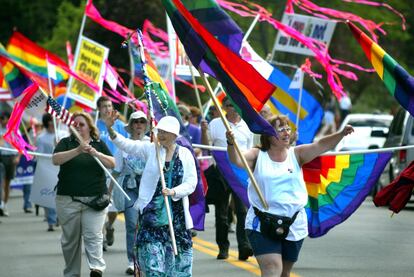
(370, 243)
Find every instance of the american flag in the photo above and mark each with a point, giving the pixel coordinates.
(56, 110)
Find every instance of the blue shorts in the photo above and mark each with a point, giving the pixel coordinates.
(262, 245)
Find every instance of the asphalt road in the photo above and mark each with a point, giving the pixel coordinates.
(369, 243)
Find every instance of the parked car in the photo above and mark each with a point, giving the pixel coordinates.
(371, 131)
(401, 133)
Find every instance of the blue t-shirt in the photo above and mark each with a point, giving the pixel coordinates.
(104, 135)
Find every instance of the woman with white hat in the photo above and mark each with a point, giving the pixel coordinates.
(155, 251)
(130, 168)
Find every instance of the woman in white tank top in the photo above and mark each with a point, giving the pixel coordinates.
(277, 169)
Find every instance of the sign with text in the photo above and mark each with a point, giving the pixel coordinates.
(89, 62)
(45, 179)
(313, 27)
(180, 60)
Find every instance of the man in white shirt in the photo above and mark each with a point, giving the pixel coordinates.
(215, 132)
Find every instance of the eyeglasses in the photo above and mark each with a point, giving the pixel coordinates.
(140, 121)
(228, 105)
(283, 129)
(80, 124)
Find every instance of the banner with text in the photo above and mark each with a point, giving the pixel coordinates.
(89, 61)
(313, 27)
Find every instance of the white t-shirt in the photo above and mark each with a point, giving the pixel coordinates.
(242, 133)
(285, 191)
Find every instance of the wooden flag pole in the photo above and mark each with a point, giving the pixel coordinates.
(77, 135)
(236, 146)
(197, 93)
(167, 206)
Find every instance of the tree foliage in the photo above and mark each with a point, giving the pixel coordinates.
(52, 23)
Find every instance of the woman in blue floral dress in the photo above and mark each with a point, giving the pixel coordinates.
(155, 251)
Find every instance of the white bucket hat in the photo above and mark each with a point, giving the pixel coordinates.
(135, 115)
(169, 124)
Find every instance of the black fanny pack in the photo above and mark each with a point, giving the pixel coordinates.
(98, 203)
(273, 226)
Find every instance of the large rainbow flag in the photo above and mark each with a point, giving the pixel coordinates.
(397, 80)
(33, 57)
(337, 185)
(248, 90)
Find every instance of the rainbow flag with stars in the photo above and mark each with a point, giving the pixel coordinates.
(397, 80)
(33, 57)
(337, 185)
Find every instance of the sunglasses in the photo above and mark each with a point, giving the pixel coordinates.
(283, 129)
(140, 121)
(228, 105)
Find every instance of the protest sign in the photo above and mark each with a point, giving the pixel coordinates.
(90, 63)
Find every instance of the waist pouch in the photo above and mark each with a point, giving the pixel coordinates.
(273, 226)
(98, 203)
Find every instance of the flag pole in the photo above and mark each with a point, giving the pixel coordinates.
(49, 80)
(147, 92)
(299, 102)
(77, 135)
(236, 146)
(197, 93)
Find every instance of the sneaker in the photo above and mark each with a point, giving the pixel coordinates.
(110, 235)
(50, 229)
(130, 270)
(5, 211)
(95, 273)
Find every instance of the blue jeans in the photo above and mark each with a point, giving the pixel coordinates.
(26, 195)
(131, 218)
(51, 216)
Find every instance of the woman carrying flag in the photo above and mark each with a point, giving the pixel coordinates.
(155, 250)
(276, 235)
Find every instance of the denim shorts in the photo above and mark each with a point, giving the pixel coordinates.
(262, 245)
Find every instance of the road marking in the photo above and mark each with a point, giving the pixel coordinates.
(211, 249)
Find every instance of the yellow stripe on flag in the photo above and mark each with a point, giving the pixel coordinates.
(289, 102)
(377, 54)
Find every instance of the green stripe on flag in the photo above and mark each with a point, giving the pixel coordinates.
(389, 65)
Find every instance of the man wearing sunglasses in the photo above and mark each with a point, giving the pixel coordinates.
(215, 132)
(105, 109)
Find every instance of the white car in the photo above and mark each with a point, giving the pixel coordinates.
(371, 131)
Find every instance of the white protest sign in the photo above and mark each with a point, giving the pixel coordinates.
(313, 27)
(44, 182)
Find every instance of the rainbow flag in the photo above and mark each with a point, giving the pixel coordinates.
(397, 80)
(337, 185)
(248, 90)
(33, 57)
(14, 78)
(285, 100)
(236, 177)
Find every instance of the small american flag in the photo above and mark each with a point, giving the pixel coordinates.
(56, 110)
